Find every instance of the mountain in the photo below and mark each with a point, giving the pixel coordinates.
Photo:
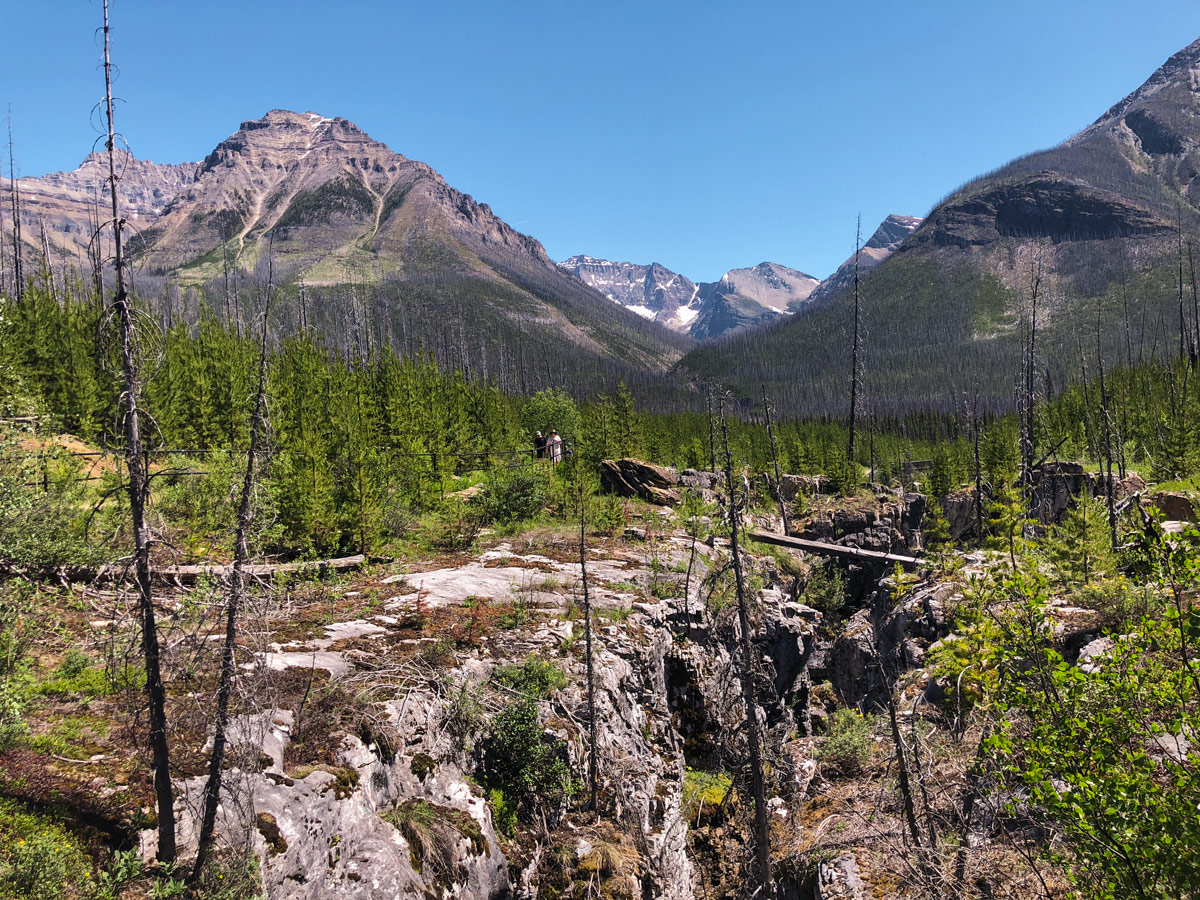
(69, 204)
(371, 243)
(653, 291)
(1096, 222)
(770, 285)
(704, 310)
(891, 233)
(748, 297)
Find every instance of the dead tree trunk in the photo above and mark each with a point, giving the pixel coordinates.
(775, 460)
(1195, 346)
(976, 428)
(1108, 437)
(593, 767)
(3, 267)
(971, 795)
(762, 833)
(854, 347)
(237, 592)
(926, 848)
(47, 266)
(712, 441)
(1129, 367)
(1029, 380)
(139, 490)
(14, 197)
(1182, 317)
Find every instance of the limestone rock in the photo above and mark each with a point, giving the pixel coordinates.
(839, 880)
(1091, 657)
(959, 508)
(635, 478)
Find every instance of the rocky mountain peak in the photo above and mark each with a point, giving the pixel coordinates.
(283, 138)
(652, 291)
(1182, 69)
(771, 285)
(891, 233)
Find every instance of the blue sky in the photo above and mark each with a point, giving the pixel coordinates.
(701, 135)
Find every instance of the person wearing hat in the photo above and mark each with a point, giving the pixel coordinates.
(539, 445)
(554, 445)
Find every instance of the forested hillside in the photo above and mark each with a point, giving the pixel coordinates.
(1097, 232)
(370, 246)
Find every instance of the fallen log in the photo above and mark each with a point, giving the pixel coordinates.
(837, 551)
(191, 574)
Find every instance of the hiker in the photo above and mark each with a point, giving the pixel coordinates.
(554, 445)
(539, 445)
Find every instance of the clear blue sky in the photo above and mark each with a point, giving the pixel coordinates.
(698, 134)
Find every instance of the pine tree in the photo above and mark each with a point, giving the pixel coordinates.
(1080, 547)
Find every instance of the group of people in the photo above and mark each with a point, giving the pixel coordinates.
(549, 447)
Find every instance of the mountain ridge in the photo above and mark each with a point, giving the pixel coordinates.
(1096, 221)
(365, 232)
(740, 298)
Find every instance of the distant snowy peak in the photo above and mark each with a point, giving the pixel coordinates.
(652, 291)
(704, 310)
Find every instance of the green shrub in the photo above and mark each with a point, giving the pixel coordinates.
(704, 791)
(1121, 602)
(124, 867)
(92, 681)
(15, 680)
(504, 813)
(1074, 744)
(826, 589)
(848, 746)
(527, 770)
(613, 613)
(38, 859)
(39, 531)
(75, 662)
(966, 660)
(14, 694)
(1080, 548)
(535, 677)
(454, 528)
(512, 495)
(606, 513)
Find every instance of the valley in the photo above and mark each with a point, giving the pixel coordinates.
(351, 547)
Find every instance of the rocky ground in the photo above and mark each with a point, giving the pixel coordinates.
(366, 737)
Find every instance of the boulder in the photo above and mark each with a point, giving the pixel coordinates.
(960, 512)
(707, 484)
(839, 878)
(793, 486)
(1056, 485)
(635, 478)
(1131, 484)
(851, 664)
(1175, 506)
(1092, 656)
